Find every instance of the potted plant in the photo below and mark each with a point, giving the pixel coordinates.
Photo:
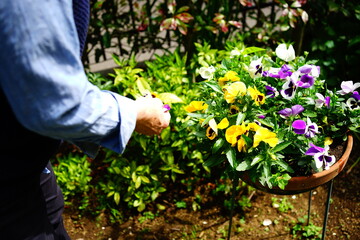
(271, 116)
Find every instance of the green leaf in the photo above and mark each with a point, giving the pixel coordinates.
(214, 87)
(138, 182)
(145, 179)
(176, 170)
(206, 121)
(244, 165)
(197, 115)
(256, 160)
(280, 147)
(143, 141)
(143, 86)
(240, 118)
(283, 180)
(160, 207)
(250, 50)
(217, 145)
(161, 189)
(310, 114)
(213, 161)
(231, 156)
(117, 197)
(284, 165)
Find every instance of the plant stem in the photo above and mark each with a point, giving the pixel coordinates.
(235, 180)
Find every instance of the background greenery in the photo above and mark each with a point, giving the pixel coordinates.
(203, 33)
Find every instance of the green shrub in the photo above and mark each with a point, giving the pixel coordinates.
(73, 176)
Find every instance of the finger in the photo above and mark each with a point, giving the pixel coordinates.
(167, 117)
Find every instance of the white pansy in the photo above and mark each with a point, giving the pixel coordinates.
(206, 72)
(234, 53)
(348, 87)
(285, 53)
(254, 67)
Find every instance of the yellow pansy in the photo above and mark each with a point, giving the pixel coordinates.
(234, 109)
(196, 106)
(328, 141)
(233, 136)
(265, 135)
(229, 76)
(223, 124)
(210, 133)
(257, 96)
(241, 145)
(253, 126)
(233, 90)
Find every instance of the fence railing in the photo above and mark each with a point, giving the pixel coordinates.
(145, 27)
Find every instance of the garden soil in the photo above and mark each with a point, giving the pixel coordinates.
(249, 222)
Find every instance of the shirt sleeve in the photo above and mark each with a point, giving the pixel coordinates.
(44, 81)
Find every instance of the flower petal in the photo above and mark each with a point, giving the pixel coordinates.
(299, 126)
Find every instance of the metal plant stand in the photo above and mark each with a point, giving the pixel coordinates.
(326, 213)
(327, 207)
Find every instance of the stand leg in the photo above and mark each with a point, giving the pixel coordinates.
(233, 195)
(309, 206)
(327, 209)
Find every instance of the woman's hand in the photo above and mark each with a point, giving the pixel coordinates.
(152, 117)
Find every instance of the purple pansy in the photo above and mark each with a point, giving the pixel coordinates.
(283, 73)
(289, 89)
(321, 156)
(294, 110)
(271, 92)
(310, 69)
(354, 101)
(166, 108)
(307, 75)
(308, 128)
(305, 81)
(322, 101)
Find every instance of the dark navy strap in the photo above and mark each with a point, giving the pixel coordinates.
(81, 11)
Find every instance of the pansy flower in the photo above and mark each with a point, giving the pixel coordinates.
(207, 72)
(348, 87)
(235, 53)
(256, 95)
(322, 101)
(234, 109)
(255, 68)
(311, 70)
(354, 101)
(285, 53)
(305, 76)
(233, 136)
(281, 73)
(229, 76)
(321, 156)
(308, 128)
(210, 133)
(293, 111)
(305, 81)
(265, 135)
(233, 90)
(212, 130)
(270, 91)
(289, 89)
(196, 106)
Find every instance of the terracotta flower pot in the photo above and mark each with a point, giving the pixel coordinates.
(306, 183)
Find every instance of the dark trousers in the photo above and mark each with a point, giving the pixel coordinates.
(31, 208)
